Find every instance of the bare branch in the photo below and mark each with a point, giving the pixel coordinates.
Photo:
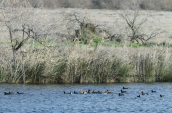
(135, 26)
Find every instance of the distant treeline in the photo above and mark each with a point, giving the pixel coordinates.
(93, 4)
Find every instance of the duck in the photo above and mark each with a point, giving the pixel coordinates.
(161, 95)
(144, 93)
(7, 93)
(11, 92)
(123, 91)
(94, 92)
(80, 91)
(83, 92)
(67, 93)
(121, 94)
(124, 88)
(138, 96)
(153, 91)
(103, 92)
(89, 91)
(75, 92)
(19, 93)
(109, 92)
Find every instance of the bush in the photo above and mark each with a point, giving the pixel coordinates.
(86, 33)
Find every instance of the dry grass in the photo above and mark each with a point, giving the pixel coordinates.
(82, 64)
(92, 4)
(110, 20)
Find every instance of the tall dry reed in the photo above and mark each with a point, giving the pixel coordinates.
(84, 64)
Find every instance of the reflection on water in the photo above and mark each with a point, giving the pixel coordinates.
(51, 99)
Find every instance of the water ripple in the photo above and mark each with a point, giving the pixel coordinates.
(50, 98)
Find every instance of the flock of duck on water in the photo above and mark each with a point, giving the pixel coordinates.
(93, 92)
(107, 92)
(11, 93)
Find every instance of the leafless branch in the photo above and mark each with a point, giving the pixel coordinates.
(135, 26)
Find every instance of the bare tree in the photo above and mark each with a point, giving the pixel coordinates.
(22, 25)
(135, 25)
(15, 26)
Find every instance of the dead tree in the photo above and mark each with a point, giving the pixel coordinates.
(16, 44)
(134, 26)
(21, 27)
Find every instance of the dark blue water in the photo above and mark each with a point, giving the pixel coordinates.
(50, 98)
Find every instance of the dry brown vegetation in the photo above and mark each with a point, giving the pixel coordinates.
(58, 46)
(164, 5)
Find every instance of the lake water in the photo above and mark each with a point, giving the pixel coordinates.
(50, 98)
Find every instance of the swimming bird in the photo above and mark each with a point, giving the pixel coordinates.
(109, 92)
(124, 88)
(83, 92)
(144, 93)
(123, 91)
(94, 92)
(67, 93)
(19, 93)
(75, 92)
(138, 96)
(6, 93)
(11, 92)
(89, 91)
(161, 95)
(121, 94)
(103, 92)
(80, 91)
(153, 91)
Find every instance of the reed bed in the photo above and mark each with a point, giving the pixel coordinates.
(85, 64)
